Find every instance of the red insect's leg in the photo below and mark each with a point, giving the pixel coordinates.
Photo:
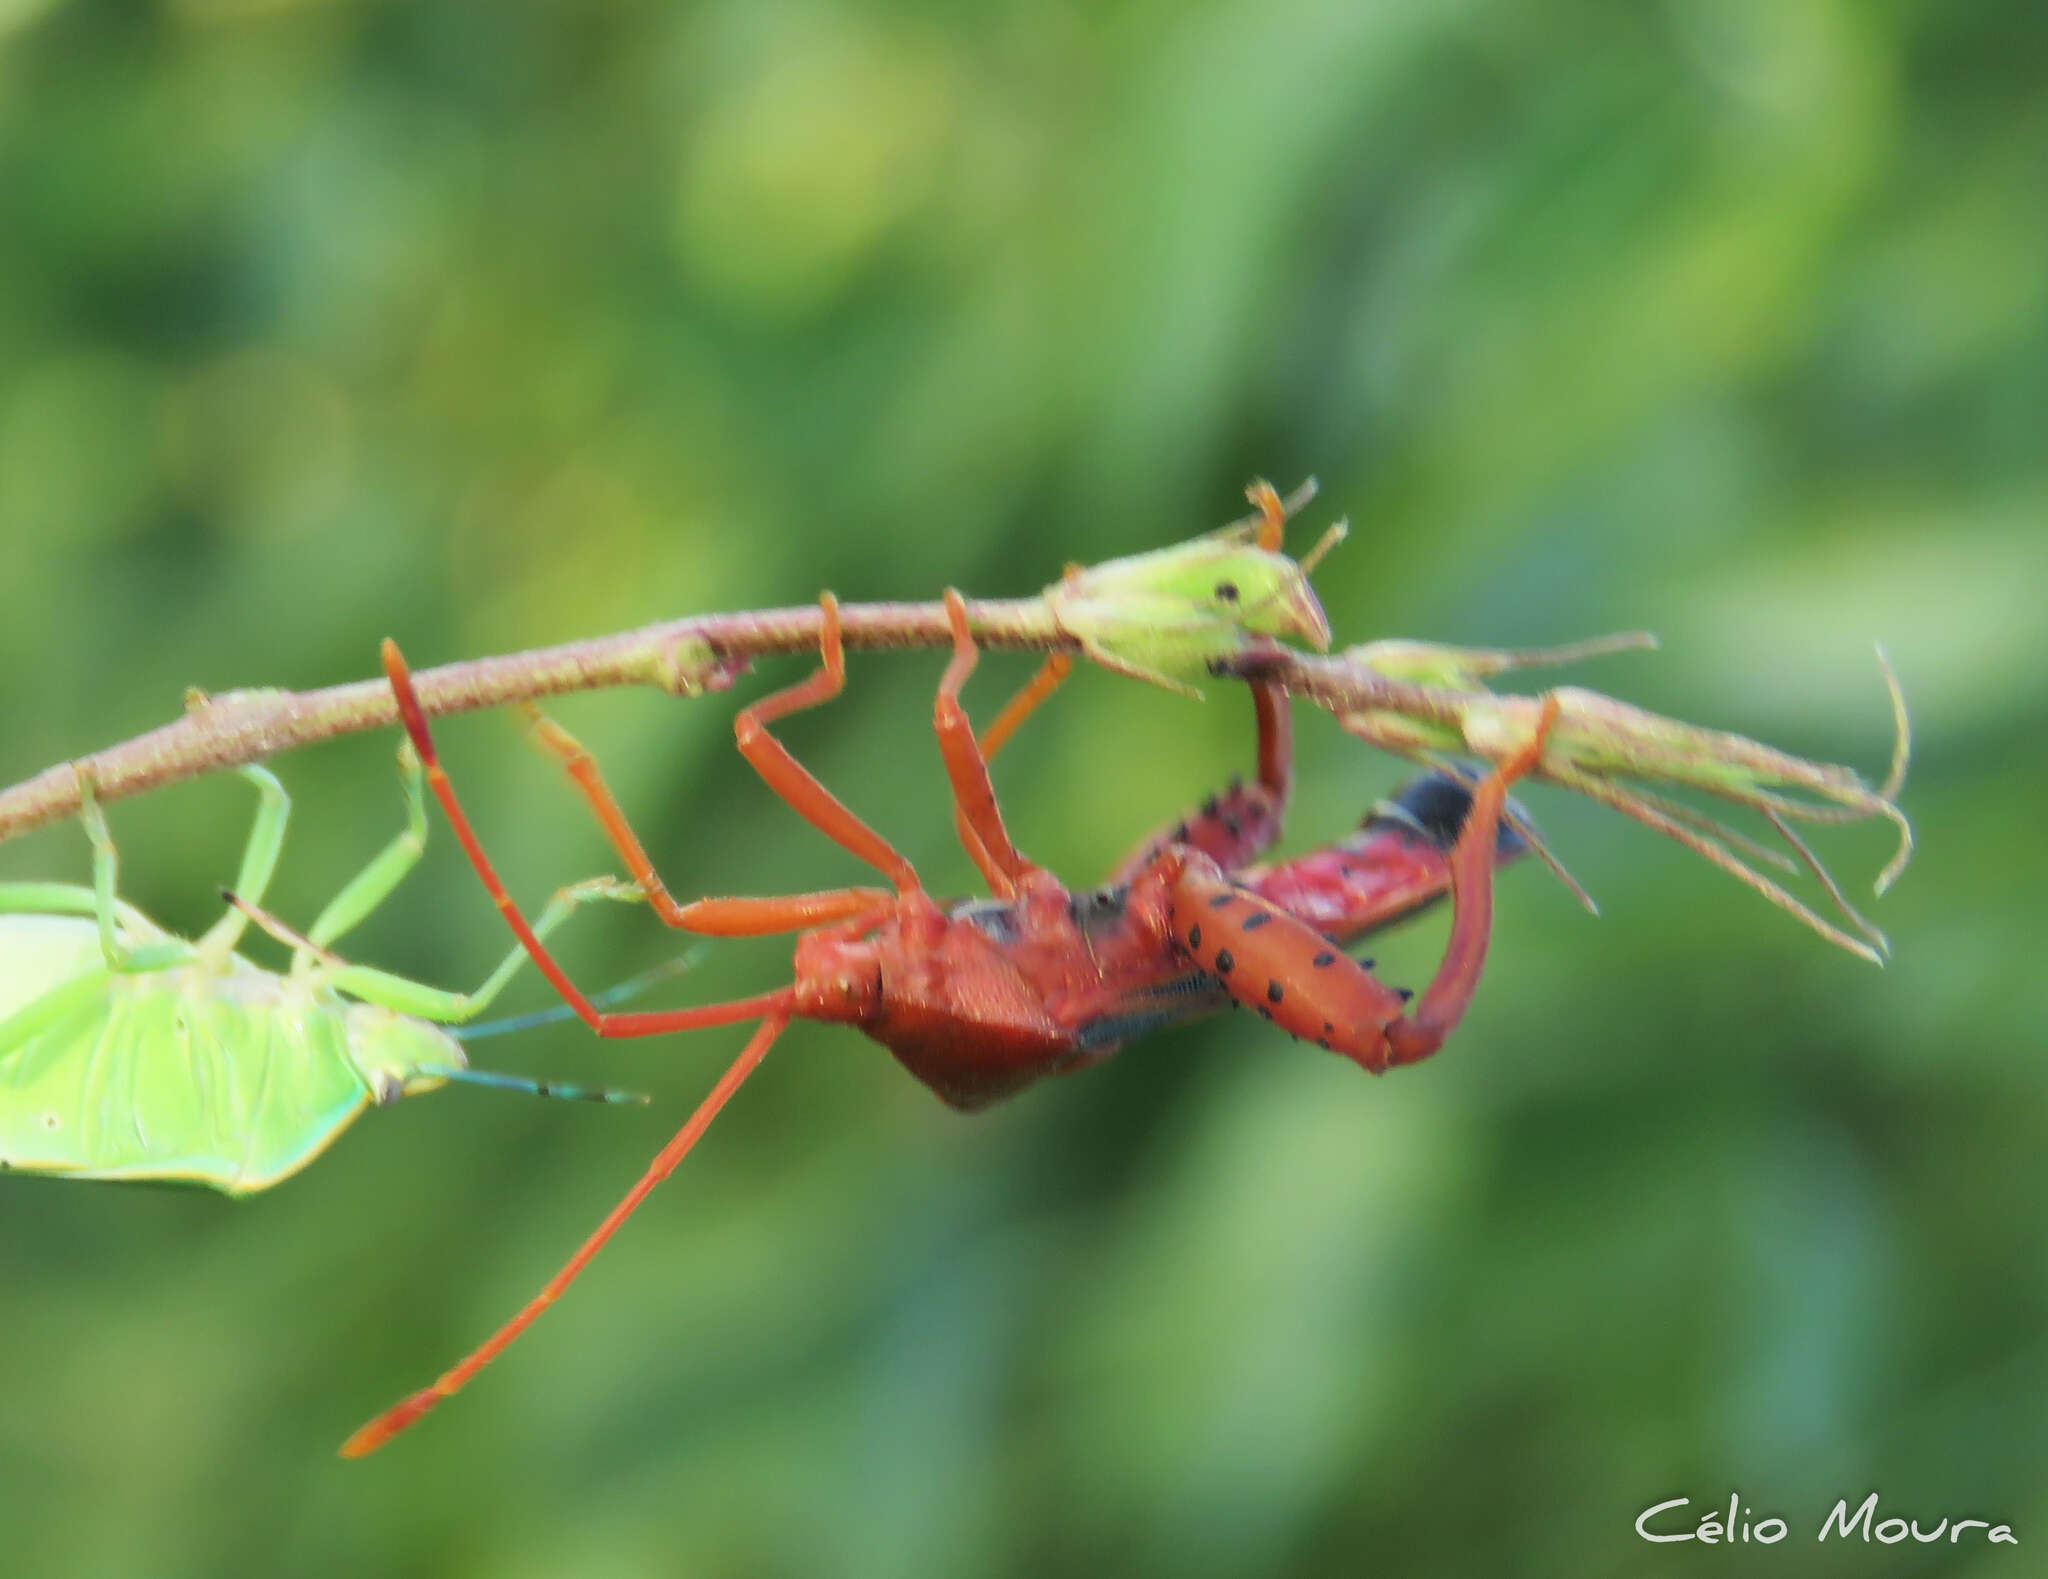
(974, 796)
(1050, 676)
(792, 781)
(1444, 1001)
(772, 915)
(712, 917)
(396, 1419)
(1235, 828)
(783, 774)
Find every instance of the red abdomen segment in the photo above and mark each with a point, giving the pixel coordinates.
(1395, 864)
(1289, 972)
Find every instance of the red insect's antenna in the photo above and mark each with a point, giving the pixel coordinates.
(400, 1415)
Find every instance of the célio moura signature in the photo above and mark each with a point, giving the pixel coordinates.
(1666, 1521)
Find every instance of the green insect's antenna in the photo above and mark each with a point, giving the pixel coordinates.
(558, 1090)
(631, 988)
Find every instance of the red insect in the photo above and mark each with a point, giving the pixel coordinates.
(978, 999)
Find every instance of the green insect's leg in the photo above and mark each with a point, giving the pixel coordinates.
(373, 885)
(259, 859)
(134, 958)
(46, 899)
(453, 1008)
(68, 899)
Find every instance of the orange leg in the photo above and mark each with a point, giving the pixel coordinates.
(788, 778)
(1050, 676)
(1237, 827)
(783, 774)
(1276, 745)
(766, 915)
(1444, 1001)
(974, 797)
(711, 917)
(405, 1413)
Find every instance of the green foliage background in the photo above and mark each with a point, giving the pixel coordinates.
(487, 325)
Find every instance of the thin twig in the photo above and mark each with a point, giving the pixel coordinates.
(1602, 740)
(683, 657)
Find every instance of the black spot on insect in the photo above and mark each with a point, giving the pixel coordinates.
(1366, 964)
(1194, 937)
(1227, 591)
(1404, 993)
(1323, 1042)
(1328, 1027)
(1232, 826)
(1324, 960)
(1274, 992)
(1224, 963)
(1180, 834)
(1257, 919)
(1222, 901)
(1265, 1012)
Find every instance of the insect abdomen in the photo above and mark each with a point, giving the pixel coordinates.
(1287, 971)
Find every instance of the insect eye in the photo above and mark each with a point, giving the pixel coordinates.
(1227, 591)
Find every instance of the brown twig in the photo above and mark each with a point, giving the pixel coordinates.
(683, 657)
(1603, 749)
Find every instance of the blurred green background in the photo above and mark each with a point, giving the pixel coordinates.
(489, 325)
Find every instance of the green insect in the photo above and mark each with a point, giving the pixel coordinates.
(1167, 615)
(129, 1053)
